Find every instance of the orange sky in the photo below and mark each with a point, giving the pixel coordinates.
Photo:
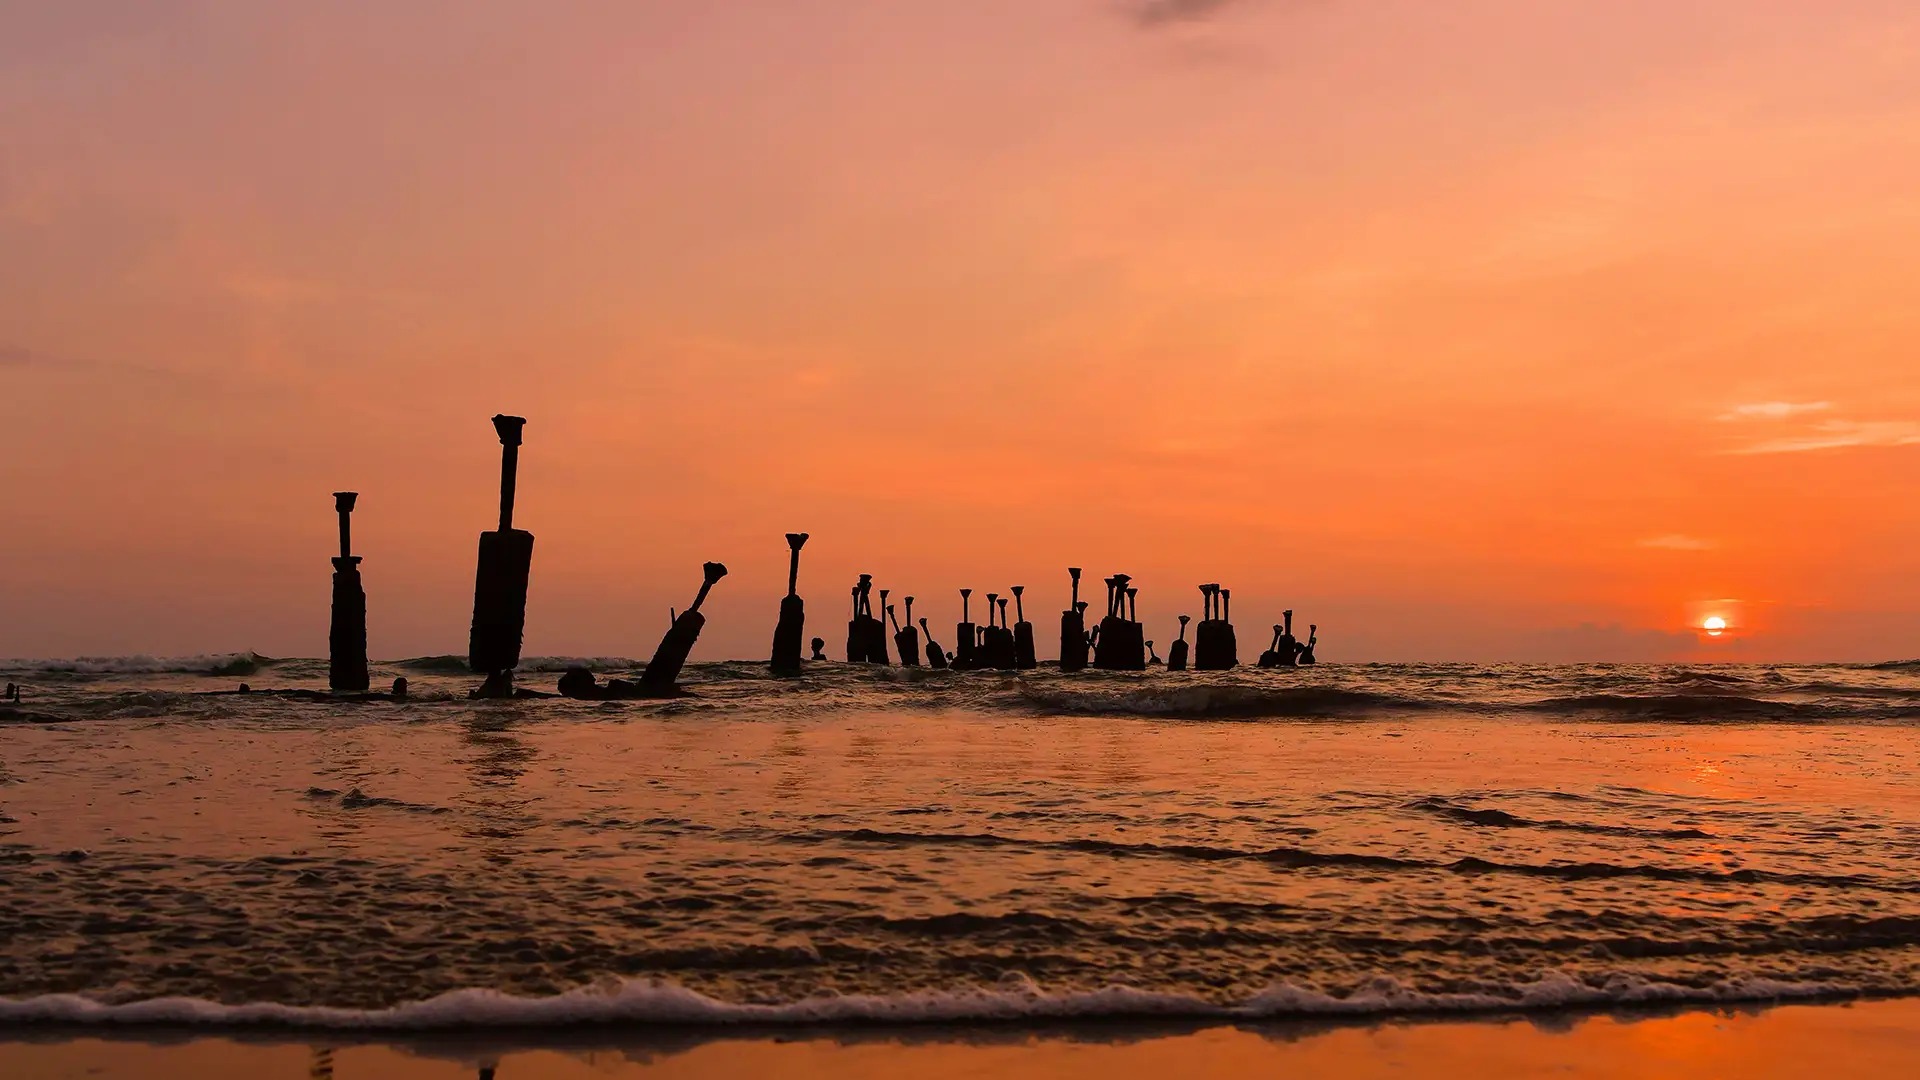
(1493, 329)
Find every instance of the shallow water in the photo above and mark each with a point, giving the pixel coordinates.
(895, 845)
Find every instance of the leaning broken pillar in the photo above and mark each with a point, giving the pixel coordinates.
(1177, 652)
(936, 657)
(906, 640)
(663, 671)
(347, 635)
(1271, 658)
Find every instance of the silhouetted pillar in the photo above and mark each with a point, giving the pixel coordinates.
(999, 646)
(1206, 636)
(1286, 647)
(856, 638)
(500, 583)
(964, 654)
(1271, 658)
(347, 634)
(1177, 652)
(936, 656)
(1073, 629)
(663, 671)
(791, 629)
(906, 640)
(1214, 647)
(877, 632)
(1023, 651)
(1313, 639)
(1120, 645)
(1229, 644)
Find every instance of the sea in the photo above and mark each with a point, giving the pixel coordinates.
(878, 845)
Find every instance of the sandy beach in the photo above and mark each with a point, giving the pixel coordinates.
(1876, 1038)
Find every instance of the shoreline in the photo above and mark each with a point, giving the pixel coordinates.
(647, 1005)
(1859, 1037)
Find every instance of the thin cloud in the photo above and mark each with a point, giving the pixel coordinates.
(1153, 14)
(1840, 435)
(19, 356)
(1775, 410)
(1677, 542)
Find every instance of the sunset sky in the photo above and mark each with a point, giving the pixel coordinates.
(1486, 329)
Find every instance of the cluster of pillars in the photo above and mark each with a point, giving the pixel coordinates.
(501, 575)
(1286, 650)
(1214, 646)
(1005, 642)
(1116, 644)
(1119, 642)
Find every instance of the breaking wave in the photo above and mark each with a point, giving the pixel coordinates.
(1500, 819)
(1220, 701)
(1297, 858)
(1016, 998)
(240, 663)
(457, 665)
(1717, 707)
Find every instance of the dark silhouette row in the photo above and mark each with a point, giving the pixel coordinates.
(505, 563)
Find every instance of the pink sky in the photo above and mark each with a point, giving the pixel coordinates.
(1489, 329)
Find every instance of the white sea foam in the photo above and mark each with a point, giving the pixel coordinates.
(1015, 999)
(591, 663)
(139, 665)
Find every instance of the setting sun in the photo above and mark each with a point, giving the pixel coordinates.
(1715, 625)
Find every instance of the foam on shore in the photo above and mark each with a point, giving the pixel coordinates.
(1015, 999)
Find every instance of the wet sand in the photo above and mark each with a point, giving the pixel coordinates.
(1874, 1038)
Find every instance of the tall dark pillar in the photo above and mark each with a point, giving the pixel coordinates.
(347, 636)
(1023, 651)
(663, 671)
(1229, 644)
(791, 629)
(877, 632)
(500, 582)
(964, 653)
(856, 634)
(1073, 629)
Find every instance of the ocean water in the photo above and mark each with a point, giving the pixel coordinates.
(895, 844)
